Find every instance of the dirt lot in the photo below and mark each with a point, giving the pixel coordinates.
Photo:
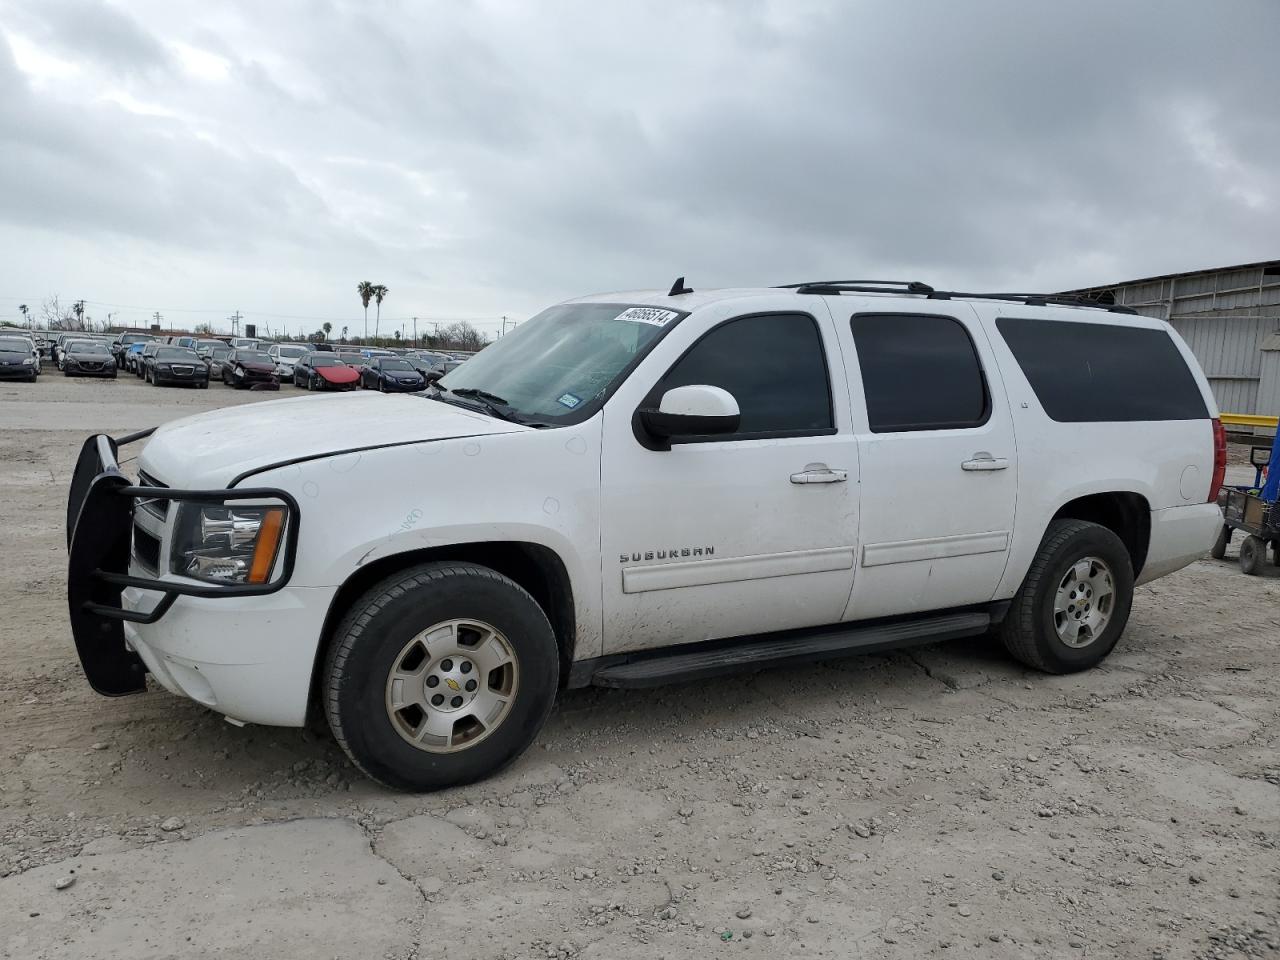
(941, 802)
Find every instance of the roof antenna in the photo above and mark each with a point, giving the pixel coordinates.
(678, 288)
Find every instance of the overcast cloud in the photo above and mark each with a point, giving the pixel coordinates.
(489, 158)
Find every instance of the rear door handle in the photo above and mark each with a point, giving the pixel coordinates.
(985, 461)
(819, 473)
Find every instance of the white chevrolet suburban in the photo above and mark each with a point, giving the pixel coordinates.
(639, 488)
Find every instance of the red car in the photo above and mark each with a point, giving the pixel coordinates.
(324, 371)
(250, 368)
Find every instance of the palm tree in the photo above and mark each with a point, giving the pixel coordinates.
(379, 292)
(26, 313)
(344, 334)
(365, 289)
(326, 327)
(78, 309)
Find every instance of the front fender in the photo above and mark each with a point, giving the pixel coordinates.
(538, 487)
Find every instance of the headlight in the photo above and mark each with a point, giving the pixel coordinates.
(29, 361)
(239, 371)
(163, 366)
(224, 544)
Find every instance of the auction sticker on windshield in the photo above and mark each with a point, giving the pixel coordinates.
(652, 315)
(569, 400)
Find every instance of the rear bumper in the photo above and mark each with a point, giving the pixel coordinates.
(100, 530)
(1179, 536)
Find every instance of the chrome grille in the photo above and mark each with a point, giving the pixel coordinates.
(157, 507)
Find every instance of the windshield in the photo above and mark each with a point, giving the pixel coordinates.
(252, 356)
(86, 346)
(387, 364)
(13, 343)
(220, 353)
(562, 364)
(326, 362)
(132, 338)
(292, 351)
(175, 353)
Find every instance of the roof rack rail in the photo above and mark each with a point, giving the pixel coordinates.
(859, 286)
(837, 287)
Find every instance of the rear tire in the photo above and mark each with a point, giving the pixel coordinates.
(1253, 554)
(1078, 564)
(374, 716)
(1220, 545)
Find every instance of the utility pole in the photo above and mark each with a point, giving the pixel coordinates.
(235, 319)
(415, 333)
(158, 317)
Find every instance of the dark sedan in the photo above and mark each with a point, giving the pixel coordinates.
(391, 375)
(178, 365)
(16, 362)
(324, 371)
(143, 360)
(250, 368)
(89, 358)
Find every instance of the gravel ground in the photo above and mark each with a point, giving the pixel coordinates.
(939, 802)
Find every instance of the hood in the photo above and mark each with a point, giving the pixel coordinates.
(338, 374)
(211, 449)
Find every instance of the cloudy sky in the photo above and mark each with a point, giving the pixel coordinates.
(487, 158)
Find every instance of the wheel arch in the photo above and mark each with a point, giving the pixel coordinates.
(1123, 512)
(535, 567)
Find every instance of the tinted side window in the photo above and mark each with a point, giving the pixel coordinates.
(774, 366)
(919, 372)
(1100, 372)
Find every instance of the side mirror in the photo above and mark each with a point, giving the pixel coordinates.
(431, 376)
(1259, 456)
(693, 411)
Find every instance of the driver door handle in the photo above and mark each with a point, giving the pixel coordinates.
(985, 461)
(819, 473)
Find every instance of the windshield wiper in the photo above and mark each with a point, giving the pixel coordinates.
(483, 395)
(492, 403)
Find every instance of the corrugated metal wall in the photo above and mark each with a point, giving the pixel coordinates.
(1224, 316)
(1269, 385)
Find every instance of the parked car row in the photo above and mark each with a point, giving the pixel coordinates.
(240, 362)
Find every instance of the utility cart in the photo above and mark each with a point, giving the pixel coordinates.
(1253, 510)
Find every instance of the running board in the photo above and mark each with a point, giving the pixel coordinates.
(756, 652)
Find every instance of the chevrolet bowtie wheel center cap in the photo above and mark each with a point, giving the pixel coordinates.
(451, 683)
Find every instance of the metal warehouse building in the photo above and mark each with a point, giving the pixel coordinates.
(1230, 317)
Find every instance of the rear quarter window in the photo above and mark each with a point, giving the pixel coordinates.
(1102, 372)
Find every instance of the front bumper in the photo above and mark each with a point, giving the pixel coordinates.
(100, 530)
(199, 375)
(79, 370)
(17, 372)
(395, 386)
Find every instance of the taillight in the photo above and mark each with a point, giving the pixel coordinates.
(1219, 459)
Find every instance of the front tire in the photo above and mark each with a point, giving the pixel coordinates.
(1075, 601)
(440, 675)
